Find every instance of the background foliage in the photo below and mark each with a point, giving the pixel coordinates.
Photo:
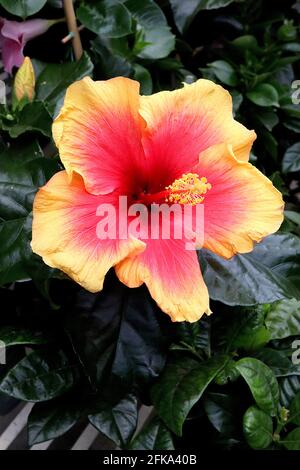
(227, 381)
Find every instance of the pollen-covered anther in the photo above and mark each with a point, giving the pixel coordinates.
(189, 189)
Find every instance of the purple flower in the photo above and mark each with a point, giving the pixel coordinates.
(13, 37)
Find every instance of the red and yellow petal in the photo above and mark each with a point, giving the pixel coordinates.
(183, 123)
(173, 277)
(241, 208)
(64, 232)
(98, 133)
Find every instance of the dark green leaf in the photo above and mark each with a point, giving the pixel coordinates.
(51, 419)
(267, 274)
(32, 117)
(119, 422)
(108, 18)
(224, 72)
(294, 415)
(180, 386)
(278, 361)
(262, 383)
(283, 319)
(118, 334)
(264, 94)
(292, 440)
(23, 8)
(185, 11)
(220, 411)
(289, 387)
(53, 80)
(291, 159)
(258, 428)
(12, 336)
(154, 436)
(267, 117)
(153, 29)
(23, 169)
(142, 75)
(40, 376)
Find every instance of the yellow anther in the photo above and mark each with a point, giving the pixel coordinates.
(189, 189)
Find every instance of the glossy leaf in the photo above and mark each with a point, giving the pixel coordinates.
(53, 80)
(289, 387)
(51, 419)
(291, 159)
(23, 8)
(23, 169)
(292, 440)
(185, 11)
(269, 273)
(119, 422)
(220, 411)
(32, 117)
(283, 319)
(180, 386)
(151, 25)
(258, 428)
(224, 72)
(12, 336)
(40, 376)
(154, 436)
(294, 410)
(262, 383)
(109, 18)
(263, 95)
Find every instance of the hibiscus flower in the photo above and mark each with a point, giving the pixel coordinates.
(181, 147)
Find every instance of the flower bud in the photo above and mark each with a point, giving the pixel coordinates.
(24, 84)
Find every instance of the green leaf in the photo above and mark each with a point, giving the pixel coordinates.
(262, 383)
(224, 72)
(278, 361)
(220, 411)
(293, 217)
(153, 29)
(283, 319)
(180, 386)
(12, 336)
(110, 61)
(32, 117)
(289, 387)
(185, 11)
(109, 18)
(292, 440)
(246, 43)
(263, 94)
(258, 428)
(119, 422)
(51, 419)
(154, 436)
(294, 415)
(142, 75)
(23, 8)
(23, 169)
(40, 376)
(114, 341)
(291, 159)
(267, 274)
(267, 117)
(245, 329)
(53, 80)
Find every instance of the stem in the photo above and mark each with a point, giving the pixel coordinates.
(72, 27)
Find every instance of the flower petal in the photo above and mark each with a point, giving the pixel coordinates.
(173, 277)
(98, 133)
(64, 232)
(242, 206)
(184, 122)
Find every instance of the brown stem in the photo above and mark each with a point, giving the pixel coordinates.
(72, 27)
